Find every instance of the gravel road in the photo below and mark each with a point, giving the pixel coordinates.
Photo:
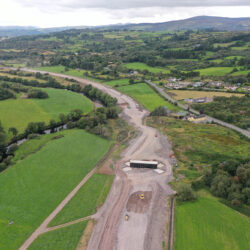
(110, 231)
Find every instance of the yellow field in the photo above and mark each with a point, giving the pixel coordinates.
(183, 94)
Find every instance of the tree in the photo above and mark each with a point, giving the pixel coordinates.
(37, 93)
(14, 131)
(62, 118)
(220, 185)
(75, 114)
(185, 192)
(131, 81)
(12, 149)
(112, 113)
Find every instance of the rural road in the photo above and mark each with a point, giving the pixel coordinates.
(111, 230)
(209, 118)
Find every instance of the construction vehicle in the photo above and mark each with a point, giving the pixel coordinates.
(126, 217)
(142, 196)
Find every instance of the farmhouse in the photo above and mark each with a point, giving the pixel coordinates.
(199, 100)
(143, 164)
(198, 119)
(230, 87)
(246, 88)
(198, 84)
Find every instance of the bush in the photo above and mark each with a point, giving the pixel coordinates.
(32, 136)
(185, 193)
(160, 111)
(12, 149)
(37, 93)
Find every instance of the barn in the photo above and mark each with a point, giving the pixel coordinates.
(143, 164)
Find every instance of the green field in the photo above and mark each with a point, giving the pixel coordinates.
(61, 69)
(146, 96)
(91, 195)
(31, 189)
(119, 82)
(70, 72)
(241, 72)
(208, 224)
(215, 71)
(143, 66)
(19, 112)
(65, 238)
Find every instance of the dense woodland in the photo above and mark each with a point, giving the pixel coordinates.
(230, 180)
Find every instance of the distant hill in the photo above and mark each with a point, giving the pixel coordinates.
(12, 31)
(194, 23)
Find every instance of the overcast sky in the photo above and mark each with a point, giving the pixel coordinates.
(55, 13)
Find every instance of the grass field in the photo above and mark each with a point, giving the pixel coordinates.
(143, 66)
(241, 72)
(92, 195)
(61, 69)
(65, 238)
(146, 96)
(215, 71)
(19, 112)
(208, 224)
(119, 82)
(31, 189)
(183, 94)
(70, 72)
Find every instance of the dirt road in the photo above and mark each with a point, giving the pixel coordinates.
(111, 230)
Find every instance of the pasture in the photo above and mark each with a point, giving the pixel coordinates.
(143, 66)
(65, 238)
(91, 195)
(33, 188)
(19, 112)
(146, 96)
(215, 71)
(119, 82)
(208, 224)
(62, 70)
(183, 94)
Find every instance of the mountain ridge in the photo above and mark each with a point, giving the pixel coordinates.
(193, 23)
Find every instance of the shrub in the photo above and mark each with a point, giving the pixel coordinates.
(185, 192)
(12, 149)
(37, 93)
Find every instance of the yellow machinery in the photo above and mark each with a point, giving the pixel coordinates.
(126, 217)
(142, 196)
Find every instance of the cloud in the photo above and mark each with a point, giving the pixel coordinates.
(127, 4)
(51, 13)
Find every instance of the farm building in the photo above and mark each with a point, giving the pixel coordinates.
(143, 164)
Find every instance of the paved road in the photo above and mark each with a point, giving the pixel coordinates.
(211, 119)
(110, 219)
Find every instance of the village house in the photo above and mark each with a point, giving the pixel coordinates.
(246, 88)
(215, 84)
(230, 87)
(199, 100)
(198, 84)
(198, 119)
(177, 85)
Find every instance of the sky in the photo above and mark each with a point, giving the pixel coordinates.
(58, 13)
